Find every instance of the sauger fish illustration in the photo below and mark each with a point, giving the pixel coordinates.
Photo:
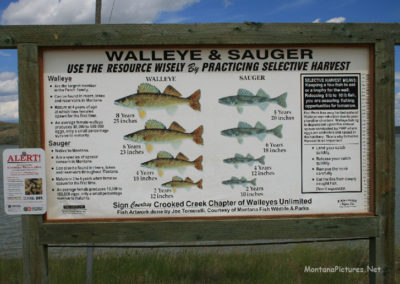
(156, 132)
(149, 96)
(235, 181)
(240, 159)
(245, 129)
(178, 182)
(165, 160)
(247, 98)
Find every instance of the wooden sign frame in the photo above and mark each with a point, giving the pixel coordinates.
(378, 228)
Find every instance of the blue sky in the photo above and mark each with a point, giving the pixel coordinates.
(27, 12)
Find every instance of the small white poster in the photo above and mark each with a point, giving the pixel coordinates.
(24, 181)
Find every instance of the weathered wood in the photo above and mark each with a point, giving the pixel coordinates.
(382, 247)
(224, 230)
(98, 12)
(35, 254)
(89, 264)
(194, 34)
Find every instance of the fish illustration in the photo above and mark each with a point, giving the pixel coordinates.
(235, 181)
(149, 96)
(178, 182)
(165, 160)
(245, 129)
(240, 159)
(156, 132)
(247, 98)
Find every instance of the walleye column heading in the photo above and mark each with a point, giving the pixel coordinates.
(189, 60)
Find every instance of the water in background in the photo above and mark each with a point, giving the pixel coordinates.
(10, 226)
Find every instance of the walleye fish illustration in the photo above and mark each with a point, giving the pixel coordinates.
(235, 181)
(240, 159)
(178, 182)
(246, 98)
(149, 96)
(165, 160)
(156, 132)
(259, 130)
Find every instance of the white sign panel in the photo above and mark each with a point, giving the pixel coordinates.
(24, 178)
(159, 133)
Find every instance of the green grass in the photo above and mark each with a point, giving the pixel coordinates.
(8, 133)
(10, 271)
(186, 266)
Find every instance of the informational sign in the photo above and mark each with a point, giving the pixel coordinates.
(195, 132)
(24, 178)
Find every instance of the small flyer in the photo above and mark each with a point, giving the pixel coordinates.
(24, 181)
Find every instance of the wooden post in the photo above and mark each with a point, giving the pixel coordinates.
(98, 11)
(89, 264)
(34, 254)
(382, 246)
